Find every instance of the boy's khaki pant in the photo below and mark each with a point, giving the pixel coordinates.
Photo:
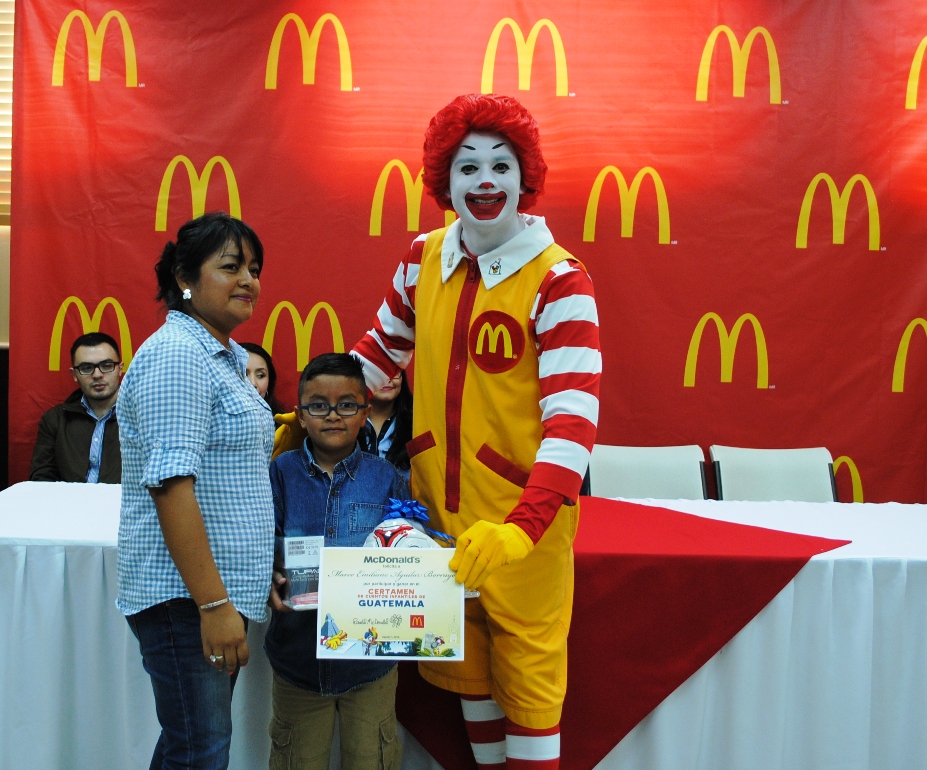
(303, 724)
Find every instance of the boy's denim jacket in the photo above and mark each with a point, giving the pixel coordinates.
(344, 509)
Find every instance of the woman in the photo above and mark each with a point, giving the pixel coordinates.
(261, 373)
(197, 522)
(389, 427)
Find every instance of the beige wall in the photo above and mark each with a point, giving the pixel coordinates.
(4, 285)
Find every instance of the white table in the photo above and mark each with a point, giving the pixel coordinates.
(831, 674)
(73, 693)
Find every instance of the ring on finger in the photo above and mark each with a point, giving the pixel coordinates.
(216, 658)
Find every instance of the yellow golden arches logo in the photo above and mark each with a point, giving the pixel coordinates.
(901, 357)
(628, 203)
(199, 184)
(728, 349)
(494, 334)
(525, 51)
(413, 189)
(303, 330)
(914, 77)
(740, 57)
(854, 476)
(89, 324)
(838, 204)
(413, 197)
(94, 39)
(309, 46)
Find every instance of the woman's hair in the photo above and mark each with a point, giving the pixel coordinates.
(402, 434)
(197, 241)
(275, 406)
(484, 114)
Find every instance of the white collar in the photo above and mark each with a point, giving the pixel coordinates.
(502, 262)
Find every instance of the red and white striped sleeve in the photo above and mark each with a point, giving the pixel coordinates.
(388, 346)
(565, 326)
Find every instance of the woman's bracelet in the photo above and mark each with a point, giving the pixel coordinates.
(210, 605)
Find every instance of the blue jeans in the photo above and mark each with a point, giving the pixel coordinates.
(193, 699)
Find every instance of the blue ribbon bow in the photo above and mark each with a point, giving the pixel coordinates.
(413, 510)
(405, 509)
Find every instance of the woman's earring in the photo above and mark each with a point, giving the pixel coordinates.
(187, 294)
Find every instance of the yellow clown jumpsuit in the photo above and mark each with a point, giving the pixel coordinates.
(476, 432)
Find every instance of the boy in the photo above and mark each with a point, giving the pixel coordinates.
(329, 487)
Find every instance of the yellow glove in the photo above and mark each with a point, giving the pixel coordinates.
(289, 435)
(485, 547)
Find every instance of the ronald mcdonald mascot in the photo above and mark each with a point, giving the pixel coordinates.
(505, 332)
(504, 328)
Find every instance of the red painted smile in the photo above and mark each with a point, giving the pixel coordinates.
(485, 205)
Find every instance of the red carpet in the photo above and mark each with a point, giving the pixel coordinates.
(657, 594)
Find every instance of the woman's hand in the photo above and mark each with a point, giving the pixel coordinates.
(276, 584)
(224, 637)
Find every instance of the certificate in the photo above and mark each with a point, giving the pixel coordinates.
(389, 602)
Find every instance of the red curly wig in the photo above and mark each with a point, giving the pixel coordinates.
(488, 114)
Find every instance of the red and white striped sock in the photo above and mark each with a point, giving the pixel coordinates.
(530, 749)
(486, 729)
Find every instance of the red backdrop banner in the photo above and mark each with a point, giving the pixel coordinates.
(739, 177)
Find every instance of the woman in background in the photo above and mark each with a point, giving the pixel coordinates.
(389, 426)
(196, 529)
(262, 374)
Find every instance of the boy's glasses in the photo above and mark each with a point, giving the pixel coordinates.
(342, 409)
(105, 367)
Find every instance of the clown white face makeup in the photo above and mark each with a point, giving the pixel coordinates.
(485, 182)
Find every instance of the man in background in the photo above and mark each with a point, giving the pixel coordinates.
(79, 439)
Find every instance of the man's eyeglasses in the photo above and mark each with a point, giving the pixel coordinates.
(342, 409)
(105, 367)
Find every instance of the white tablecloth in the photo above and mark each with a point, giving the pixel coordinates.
(73, 693)
(831, 674)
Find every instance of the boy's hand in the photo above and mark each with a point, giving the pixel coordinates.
(290, 434)
(276, 585)
(485, 547)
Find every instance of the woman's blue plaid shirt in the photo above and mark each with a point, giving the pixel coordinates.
(185, 408)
